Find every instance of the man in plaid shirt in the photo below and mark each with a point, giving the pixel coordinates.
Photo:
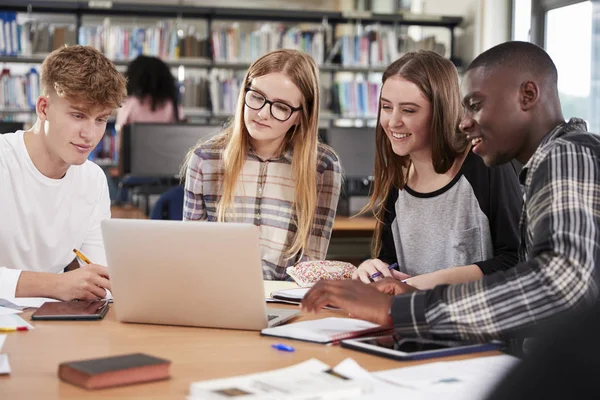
(512, 110)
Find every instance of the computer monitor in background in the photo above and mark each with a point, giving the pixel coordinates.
(356, 150)
(159, 150)
(10, 126)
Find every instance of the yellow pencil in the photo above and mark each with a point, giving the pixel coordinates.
(83, 258)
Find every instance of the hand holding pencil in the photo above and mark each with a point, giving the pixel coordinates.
(86, 283)
(375, 269)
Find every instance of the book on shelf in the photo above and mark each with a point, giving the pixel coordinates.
(19, 92)
(168, 40)
(356, 95)
(231, 44)
(106, 153)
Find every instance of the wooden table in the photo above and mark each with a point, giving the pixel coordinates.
(196, 354)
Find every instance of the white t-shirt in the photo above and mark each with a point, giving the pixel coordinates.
(42, 219)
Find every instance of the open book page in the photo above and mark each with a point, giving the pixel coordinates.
(296, 294)
(310, 379)
(324, 330)
(273, 286)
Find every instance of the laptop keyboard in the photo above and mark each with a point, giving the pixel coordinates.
(271, 317)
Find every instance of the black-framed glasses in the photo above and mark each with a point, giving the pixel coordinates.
(279, 110)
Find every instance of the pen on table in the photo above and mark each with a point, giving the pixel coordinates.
(283, 347)
(378, 273)
(81, 256)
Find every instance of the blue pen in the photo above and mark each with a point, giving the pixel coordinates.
(283, 347)
(378, 273)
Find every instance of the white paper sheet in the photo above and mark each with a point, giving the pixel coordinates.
(26, 302)
(7, 311)
(4, 364)
(307, 380)
(13, 321)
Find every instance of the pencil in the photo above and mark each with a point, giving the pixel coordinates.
(83, 258)
(15, 329)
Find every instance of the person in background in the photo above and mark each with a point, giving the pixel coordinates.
(152, 94)
(52, 199)
(268, 167)
(443, 216)
(513, 110)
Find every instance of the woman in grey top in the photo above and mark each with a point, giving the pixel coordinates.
(443, 216)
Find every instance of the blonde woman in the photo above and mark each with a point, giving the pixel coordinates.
(268, 167)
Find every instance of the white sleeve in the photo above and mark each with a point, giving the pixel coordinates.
(8, 282)
(93, 245)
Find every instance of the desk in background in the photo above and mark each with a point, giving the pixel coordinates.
(196, 354)
(350, 241)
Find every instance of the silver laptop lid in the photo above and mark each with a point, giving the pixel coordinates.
(204, 274)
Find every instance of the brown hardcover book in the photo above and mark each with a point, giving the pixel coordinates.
(98, 373)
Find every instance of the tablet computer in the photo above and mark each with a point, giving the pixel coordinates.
(395, 347)
(72, 310)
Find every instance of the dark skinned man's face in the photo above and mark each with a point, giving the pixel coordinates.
(494, 121)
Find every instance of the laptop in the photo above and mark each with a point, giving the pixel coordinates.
(204, 274)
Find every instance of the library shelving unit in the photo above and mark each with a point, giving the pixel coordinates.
(349, 43)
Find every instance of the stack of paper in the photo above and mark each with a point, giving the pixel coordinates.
(311, 379)
(458, 380)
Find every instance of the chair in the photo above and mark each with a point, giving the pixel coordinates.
(169, 205)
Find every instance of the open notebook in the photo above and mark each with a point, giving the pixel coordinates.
(326, 330)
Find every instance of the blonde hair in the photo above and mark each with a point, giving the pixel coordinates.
(437, 78)
(301, 69)
(83, 74)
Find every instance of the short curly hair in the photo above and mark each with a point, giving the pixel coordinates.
(84, 75)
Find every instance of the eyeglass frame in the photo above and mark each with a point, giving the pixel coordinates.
(270, 103)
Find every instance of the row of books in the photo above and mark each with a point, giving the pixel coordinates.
(371, 45)
(32, 37)
(106, 152)
(353, 95)
(166, 40)
(356, 95)
(9, 34)
(232, 44)
(19, 91)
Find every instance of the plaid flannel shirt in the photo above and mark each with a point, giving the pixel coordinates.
(559, 250)
(265, 197)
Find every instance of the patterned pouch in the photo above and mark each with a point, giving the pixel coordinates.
(307, 273)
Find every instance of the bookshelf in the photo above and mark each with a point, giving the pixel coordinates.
(344, 44)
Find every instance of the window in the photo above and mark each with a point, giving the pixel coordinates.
(572, 54)
(521, 29)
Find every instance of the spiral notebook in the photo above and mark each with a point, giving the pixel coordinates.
(326, 330)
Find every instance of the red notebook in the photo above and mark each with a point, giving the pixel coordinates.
(105, 372)
(326, 330)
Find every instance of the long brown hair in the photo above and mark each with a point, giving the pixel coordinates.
(303, 139)
(437, 78)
